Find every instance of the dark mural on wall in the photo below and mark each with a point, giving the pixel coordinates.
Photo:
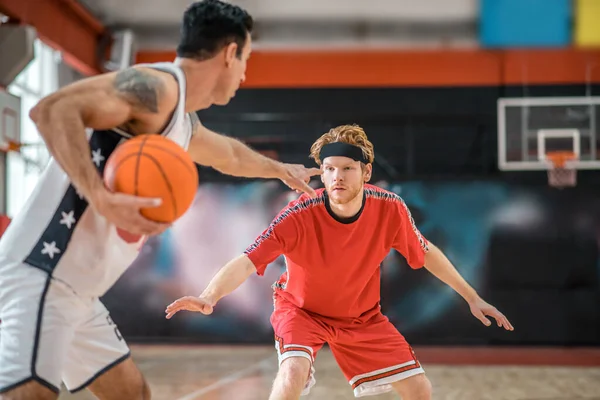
(419, 133)
(531, 251)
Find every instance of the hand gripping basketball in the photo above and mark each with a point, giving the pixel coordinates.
(155, 178)
(124, 212)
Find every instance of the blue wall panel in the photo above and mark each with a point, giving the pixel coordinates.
(525, 23)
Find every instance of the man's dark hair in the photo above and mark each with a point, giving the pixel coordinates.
(210, 25)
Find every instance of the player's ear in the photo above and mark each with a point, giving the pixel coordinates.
(368, 172)
(230, 54)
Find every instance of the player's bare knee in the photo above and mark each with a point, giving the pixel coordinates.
(416, 387)
(295, 367)
(293, 372)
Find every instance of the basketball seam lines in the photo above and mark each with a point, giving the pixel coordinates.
(137, 166)
(152, 145)
(173, 201)
(121, 161)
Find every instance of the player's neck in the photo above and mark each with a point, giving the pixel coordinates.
(201, 79)
(349, 209)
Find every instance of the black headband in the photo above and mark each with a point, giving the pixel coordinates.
(344, 150)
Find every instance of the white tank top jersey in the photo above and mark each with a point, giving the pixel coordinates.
(57, 232)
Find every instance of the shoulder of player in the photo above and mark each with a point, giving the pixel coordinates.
(147, 90)
(388, 202)
(296, 208)
(386, 196)
(306, 202)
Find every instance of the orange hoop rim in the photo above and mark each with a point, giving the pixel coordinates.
(560, 158)
(11, 146)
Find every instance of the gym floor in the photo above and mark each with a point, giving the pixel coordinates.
(246, 373)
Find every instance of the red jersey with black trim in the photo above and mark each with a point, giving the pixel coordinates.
(333, 264)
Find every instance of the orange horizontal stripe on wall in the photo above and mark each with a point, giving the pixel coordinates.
(552, 66)
(401, 68)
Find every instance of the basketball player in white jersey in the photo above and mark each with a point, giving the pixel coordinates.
(62, 251)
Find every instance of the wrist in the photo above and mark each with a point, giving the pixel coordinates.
(279, 170)
(209, 298)
(470, 296)
(95, 195)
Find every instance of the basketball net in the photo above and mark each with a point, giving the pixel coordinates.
(561, 174)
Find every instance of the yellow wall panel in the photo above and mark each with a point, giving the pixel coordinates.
(587, 23)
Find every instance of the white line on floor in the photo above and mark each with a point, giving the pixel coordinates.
(227, 379)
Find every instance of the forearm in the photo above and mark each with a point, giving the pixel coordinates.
(249, 163)
(229, 278)
(439, 265)
(63, 131)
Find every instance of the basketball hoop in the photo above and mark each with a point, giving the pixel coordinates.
(561, 173)
(11, 146)
(35, 158)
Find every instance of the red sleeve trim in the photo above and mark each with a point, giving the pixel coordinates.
(295, 208)
(390, 196)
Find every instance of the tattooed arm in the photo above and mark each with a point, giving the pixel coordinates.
(101, 102)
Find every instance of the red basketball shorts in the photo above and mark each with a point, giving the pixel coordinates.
(372, 354)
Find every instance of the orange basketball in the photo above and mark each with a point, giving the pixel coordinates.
(154, 166)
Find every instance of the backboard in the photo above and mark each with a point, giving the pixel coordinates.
(10, 120)
(530, 128)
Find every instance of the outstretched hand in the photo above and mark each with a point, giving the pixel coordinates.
(481, 310)
(297, 177)
(189, 303)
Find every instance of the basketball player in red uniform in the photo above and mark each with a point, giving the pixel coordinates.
(333, 246)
